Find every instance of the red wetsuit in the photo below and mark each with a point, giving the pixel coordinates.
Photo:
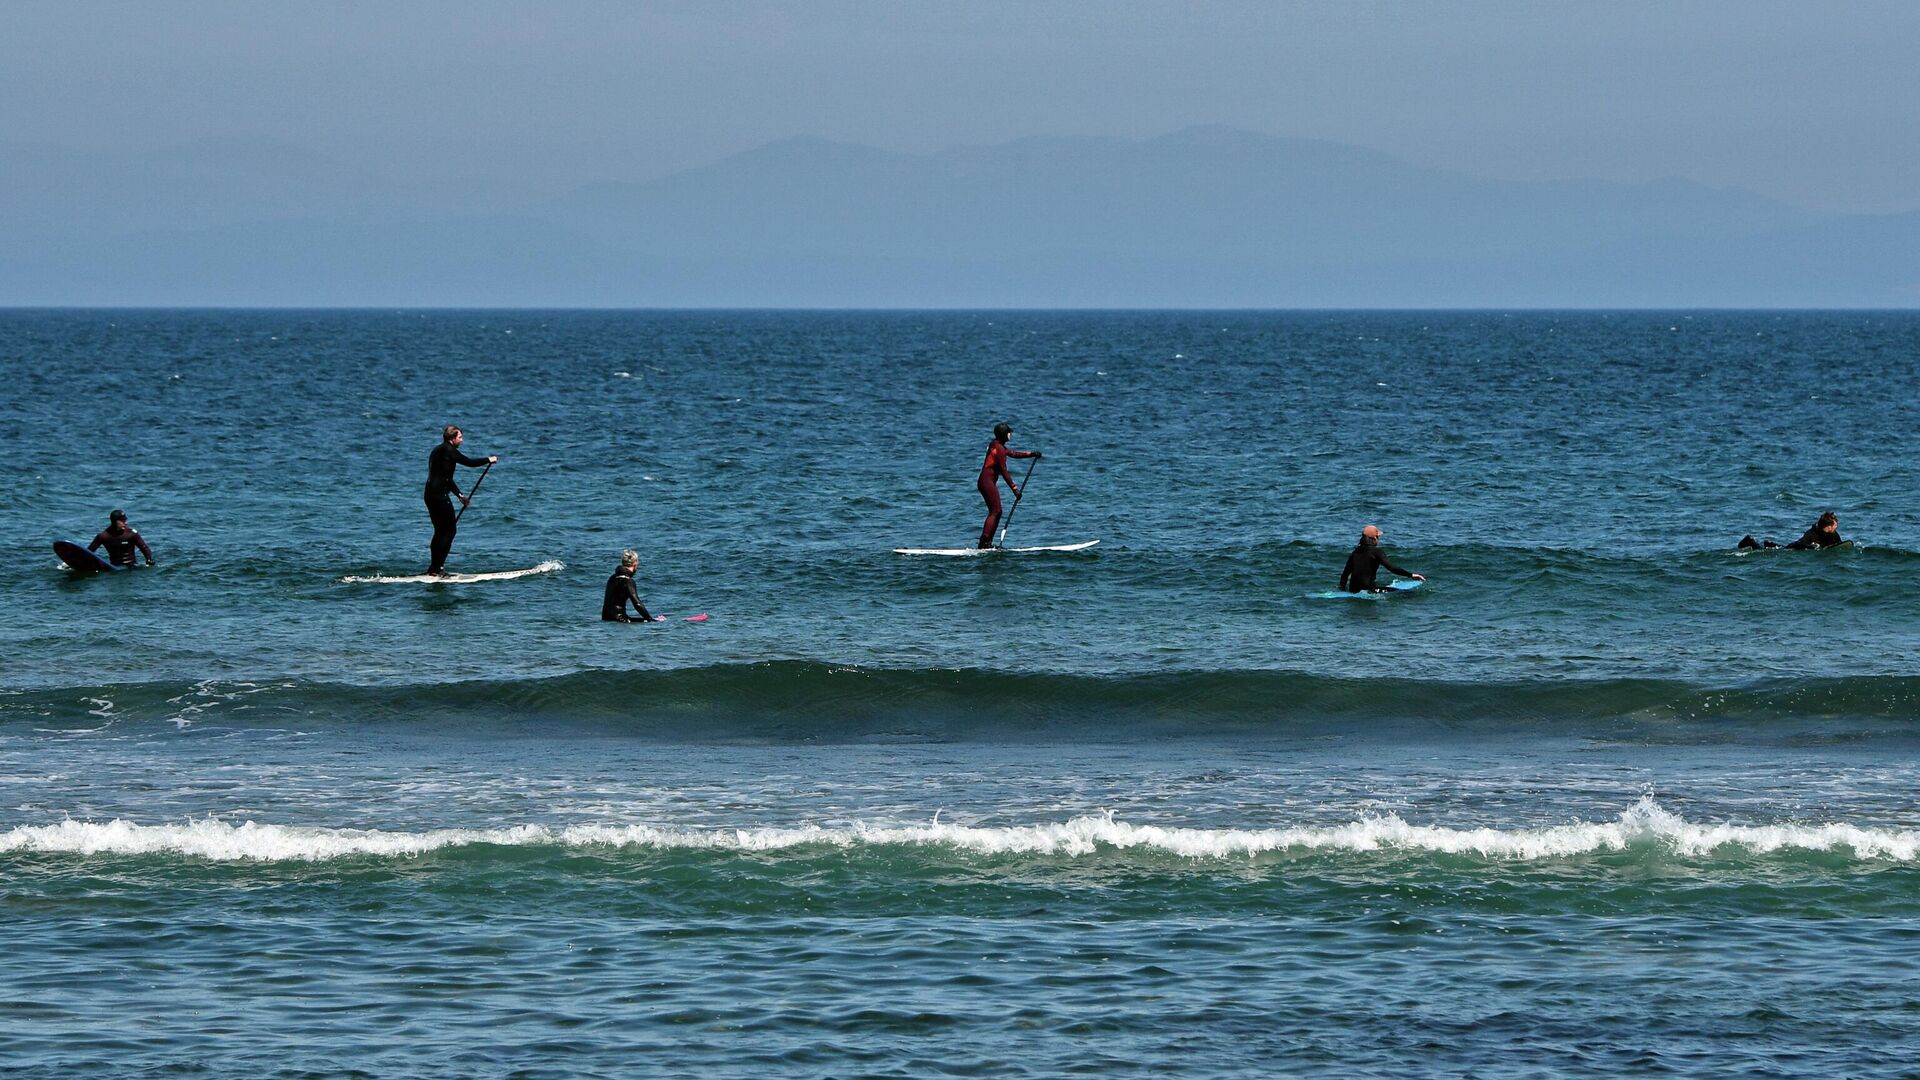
(120, 540)
(992, 471)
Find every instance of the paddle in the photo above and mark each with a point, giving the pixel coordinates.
(1002, 542)
(475, 490)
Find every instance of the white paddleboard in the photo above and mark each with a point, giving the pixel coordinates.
(971, 551)
(1399, 585)
(547, 567)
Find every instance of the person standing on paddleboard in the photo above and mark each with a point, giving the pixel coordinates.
(992, 471)
(1367, 561)
(440, 483)
(120, 538)
(621, 590)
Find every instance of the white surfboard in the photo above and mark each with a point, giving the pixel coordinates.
(971, 551)
(547, 567)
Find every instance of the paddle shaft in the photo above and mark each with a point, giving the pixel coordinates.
(1002, 542)
(472, 491)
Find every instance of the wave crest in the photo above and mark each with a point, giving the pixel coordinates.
(1645, 825)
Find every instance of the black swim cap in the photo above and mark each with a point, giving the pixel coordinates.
(1002, 429)
(117, 515)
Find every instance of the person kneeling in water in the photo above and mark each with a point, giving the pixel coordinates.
(1367, 561)
(1824, 533)
(621, 589)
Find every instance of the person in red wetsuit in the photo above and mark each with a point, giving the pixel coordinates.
(992, 471)
(120, 538)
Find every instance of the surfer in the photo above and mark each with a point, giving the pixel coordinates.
(992, 471)
(621, 589)
(1824, 533)
(120, 539)
(1368, 560)
(440, 465)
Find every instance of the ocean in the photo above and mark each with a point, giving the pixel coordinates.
(1605, 795)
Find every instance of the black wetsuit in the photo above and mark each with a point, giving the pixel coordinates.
(1366, 561)
(440, 483)
(620, 590)
(120, 545)
(1817, 538)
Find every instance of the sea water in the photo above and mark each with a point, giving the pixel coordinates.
(1606, 796)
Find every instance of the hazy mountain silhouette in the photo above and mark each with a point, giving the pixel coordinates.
(1200, 217)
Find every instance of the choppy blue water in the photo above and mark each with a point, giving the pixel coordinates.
(1605, 796)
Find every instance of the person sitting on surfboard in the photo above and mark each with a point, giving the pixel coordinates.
(440, 465)
(992, 471)
(1368, 560)
(1824, 533)
(120, 539)
(621, 589)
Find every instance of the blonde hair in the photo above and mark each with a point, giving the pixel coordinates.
(629, 557)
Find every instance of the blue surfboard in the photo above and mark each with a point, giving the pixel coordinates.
(81, 559)
(1398, 586)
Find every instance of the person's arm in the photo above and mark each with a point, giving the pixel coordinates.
(1386, 563)
(141, 543)
(98, 539)
(633, 594)
(469, 462)
(1346, 574)
(1810, 540)
(1023, 453)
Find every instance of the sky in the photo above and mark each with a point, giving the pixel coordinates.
(1813, 103)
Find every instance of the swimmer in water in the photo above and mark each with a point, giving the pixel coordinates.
(1824, 533)
(621, 591)
(120, 539)
(1366, 561)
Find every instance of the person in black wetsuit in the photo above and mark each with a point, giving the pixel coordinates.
(1368, 560)
(1824, 533)
(120, 539)
(440, 465)
(621, 590)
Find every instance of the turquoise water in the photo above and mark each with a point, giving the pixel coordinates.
(1605, 796)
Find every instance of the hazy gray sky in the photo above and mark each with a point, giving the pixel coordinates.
(1816, 103)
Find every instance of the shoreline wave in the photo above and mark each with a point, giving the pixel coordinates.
(1643, 826)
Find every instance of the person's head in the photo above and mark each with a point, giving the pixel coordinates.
(1002, 430)
(629, 560)
(1370, 535)
(1828, 522)
(117, 519)
(451, 434)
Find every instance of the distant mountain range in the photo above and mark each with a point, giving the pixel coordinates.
(1205, 217)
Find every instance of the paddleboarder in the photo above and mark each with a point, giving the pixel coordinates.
(1824, 533)
(1366, 561)
(120, 539)
(992, 471)
(440, 482)
(621, 590)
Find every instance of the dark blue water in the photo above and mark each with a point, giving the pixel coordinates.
(1605, 795)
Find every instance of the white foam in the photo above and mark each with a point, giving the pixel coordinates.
(546, 567)
(1643, 825)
